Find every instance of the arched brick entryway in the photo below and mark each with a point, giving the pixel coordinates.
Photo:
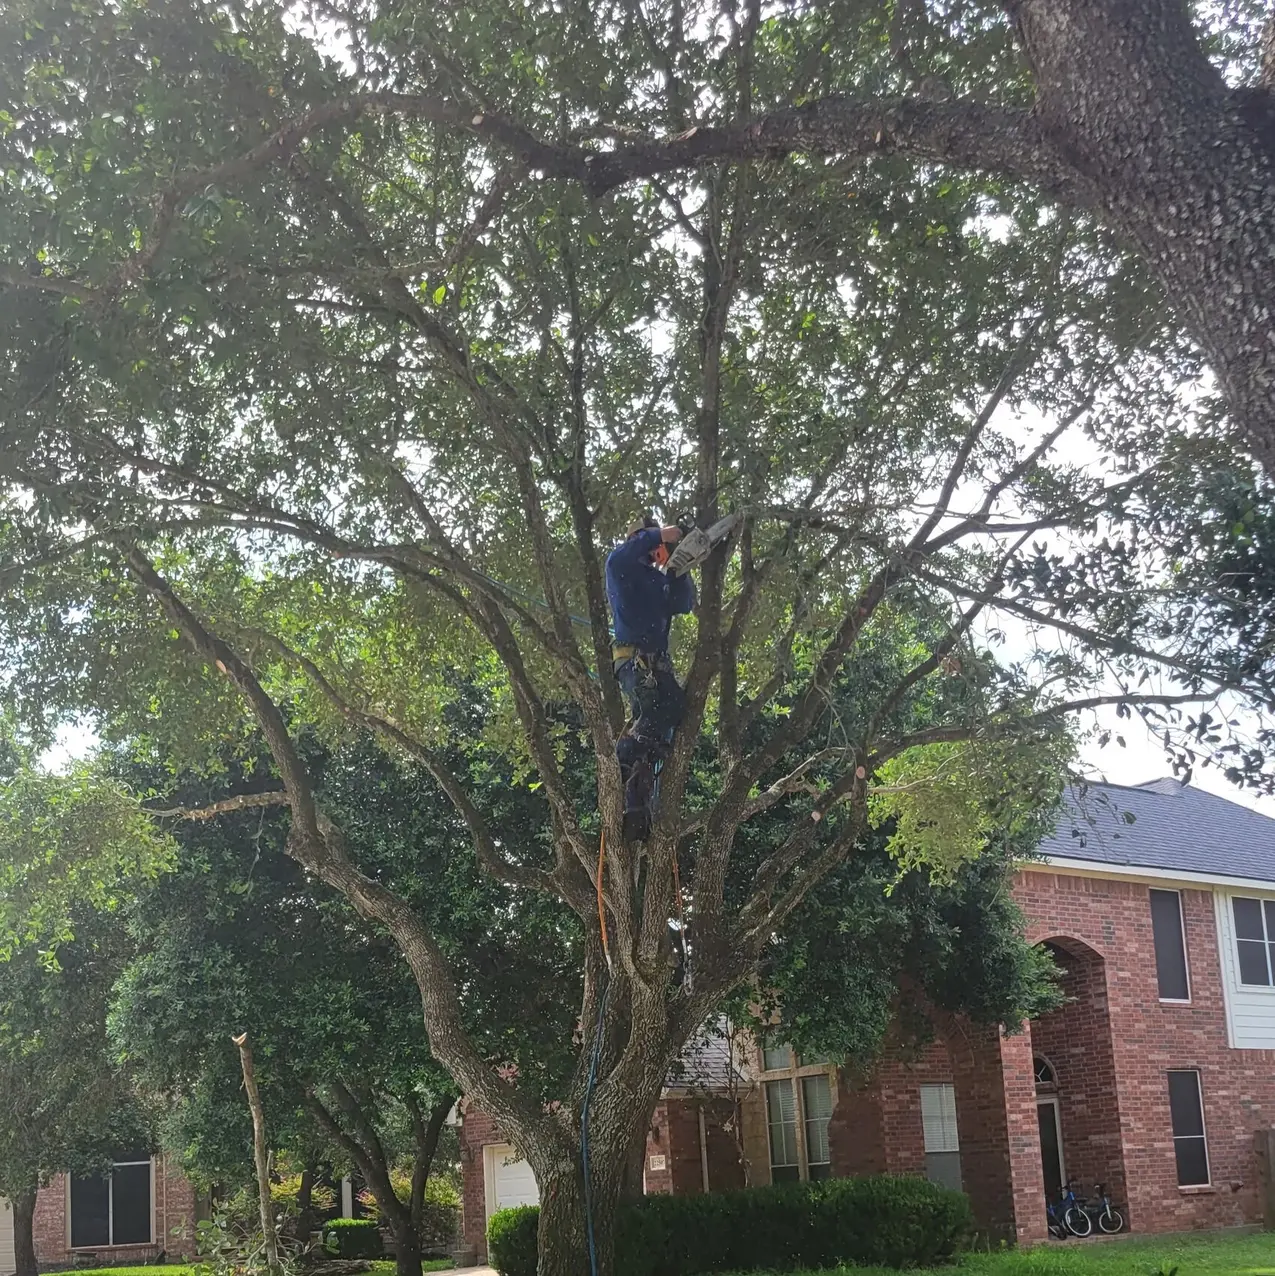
(1076, 1043)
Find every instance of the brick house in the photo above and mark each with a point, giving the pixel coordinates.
(1158, 902)
(144, 1207)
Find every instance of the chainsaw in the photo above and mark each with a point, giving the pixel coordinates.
(697, 543)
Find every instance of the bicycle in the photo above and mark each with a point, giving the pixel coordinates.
(1108, 1218)
(1075, 1216)
(1053, 1222)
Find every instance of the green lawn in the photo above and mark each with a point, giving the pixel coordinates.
(168, 1269)
(429, 1265)
(1192, 1256)
(180, 1269)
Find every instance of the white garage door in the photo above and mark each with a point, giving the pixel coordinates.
(7, 1264)
(509, 1179)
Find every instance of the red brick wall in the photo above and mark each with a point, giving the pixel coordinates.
(1148, 1039)
(658, 1181)
(725, 1169)
(676, 1136)
(1077, 1041)
(996, 1125)
(856, 1141)
(901, 1079)
(477, 1130)
(174, 1206)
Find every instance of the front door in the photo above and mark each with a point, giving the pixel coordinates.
(1051, 1157)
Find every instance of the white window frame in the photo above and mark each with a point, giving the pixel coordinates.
(1203, 1136)
(1186, 954)
(795, 1073)
(1261, 901)
(110, 1210)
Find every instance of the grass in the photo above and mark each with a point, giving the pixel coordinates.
(386, 1267)
(1202, 1255)
(169, 1269)
(379, 1268)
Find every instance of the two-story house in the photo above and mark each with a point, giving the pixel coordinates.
(1158, 902)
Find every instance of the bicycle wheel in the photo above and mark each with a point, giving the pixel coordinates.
(1111, 1221)
(1077, 1222)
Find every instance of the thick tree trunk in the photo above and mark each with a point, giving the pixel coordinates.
(407, 1247)
(563, 1247)
(1177, 166)
(24, 1233)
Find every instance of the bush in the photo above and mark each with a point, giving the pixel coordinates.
(511, 1240)
(886, 1221)
(441, 1214)
(353, 1238)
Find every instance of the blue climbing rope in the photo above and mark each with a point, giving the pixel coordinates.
(590, 1085)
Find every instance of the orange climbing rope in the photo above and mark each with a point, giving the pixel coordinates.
(602, 909)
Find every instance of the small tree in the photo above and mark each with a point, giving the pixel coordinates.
(63, 1105)
(235, 935)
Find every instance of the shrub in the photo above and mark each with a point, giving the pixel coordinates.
(286, 1195)
(353, 1238)
(511, 1240)
(886, 1221)
(442, 1205)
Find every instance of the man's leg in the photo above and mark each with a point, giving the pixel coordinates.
(661, 702)
(633, 755)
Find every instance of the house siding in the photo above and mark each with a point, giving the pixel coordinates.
(1250, 1011)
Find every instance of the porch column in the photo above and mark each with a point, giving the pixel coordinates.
(995, 1087)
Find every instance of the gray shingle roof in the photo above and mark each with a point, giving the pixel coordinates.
(705, 1063)
(1174, 827)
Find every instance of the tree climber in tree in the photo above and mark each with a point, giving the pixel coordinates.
(644, 601)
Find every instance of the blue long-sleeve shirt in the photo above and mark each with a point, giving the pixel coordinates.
(643, 599)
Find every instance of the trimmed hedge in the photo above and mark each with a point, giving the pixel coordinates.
(353, 1238)
(511, 1240)
(885, 1220)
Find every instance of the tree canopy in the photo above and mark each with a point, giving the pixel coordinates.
(235, 939)
(64, 1105)
(326, 387)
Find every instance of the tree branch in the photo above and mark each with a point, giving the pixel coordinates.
(57, 284)
(243, 802)
(964, 133)
(492, 862)
(318, 845)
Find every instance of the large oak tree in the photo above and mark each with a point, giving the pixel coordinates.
(316, 417)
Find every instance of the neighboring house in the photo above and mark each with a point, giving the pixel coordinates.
(145, 1206)
(1153, 1078)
